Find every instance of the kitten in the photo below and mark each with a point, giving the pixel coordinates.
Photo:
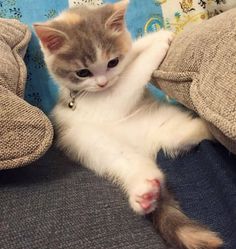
(106, 119)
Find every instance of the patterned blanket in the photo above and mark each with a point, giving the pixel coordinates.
(143, 16)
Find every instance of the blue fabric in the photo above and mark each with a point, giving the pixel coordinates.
(40, 90)
(142, 16)
(204, 182)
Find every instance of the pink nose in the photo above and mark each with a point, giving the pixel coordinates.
(101, 81)
(102, 84)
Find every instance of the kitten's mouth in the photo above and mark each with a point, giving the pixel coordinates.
(103, 85)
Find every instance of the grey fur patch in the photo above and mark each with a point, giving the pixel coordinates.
(86, 35)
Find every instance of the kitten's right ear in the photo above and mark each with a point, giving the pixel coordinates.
(51, 38)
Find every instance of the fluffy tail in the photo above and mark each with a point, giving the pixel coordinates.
(178, 230)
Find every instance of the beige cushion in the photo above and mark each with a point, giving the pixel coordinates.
(200, 72)
(25, 132)
(14, 39)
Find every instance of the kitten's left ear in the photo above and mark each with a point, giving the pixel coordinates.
(117, 21)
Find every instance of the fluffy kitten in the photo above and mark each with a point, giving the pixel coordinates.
(106, 119)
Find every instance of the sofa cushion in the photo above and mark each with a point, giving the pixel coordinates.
(25, 132)
(200, 72)
(14, 39)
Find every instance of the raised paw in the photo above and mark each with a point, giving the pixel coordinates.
(145, 195)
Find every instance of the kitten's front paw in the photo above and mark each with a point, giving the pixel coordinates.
(144, 195)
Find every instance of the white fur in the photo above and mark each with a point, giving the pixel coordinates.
(116, 133)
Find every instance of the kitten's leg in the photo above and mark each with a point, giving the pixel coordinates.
(185, 135)
(106, 154)
(147, 40)
(147, 61)
(139, 72)
(143, 44)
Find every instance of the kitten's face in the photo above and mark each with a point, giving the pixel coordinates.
(86, 49)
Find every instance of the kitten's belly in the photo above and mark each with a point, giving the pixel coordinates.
(142, 130)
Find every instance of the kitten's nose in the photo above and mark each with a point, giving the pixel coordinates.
(103, 84)
(101, 81)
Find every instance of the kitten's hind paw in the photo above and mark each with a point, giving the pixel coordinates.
(144, 197)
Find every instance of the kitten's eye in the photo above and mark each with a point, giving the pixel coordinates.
(84, 73)
(113, 63)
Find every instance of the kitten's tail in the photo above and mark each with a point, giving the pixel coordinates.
(178, 230)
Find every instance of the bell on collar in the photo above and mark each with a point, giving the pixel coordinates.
(71, 104)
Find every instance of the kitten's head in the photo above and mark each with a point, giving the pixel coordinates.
(85, 48)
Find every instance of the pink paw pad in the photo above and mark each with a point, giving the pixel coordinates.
(148, 200)
(148, 196)
(155, 183)
(145, 205)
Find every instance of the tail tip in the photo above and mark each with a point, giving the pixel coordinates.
(194, 238)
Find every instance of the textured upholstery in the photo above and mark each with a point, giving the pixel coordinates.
(56, 204)
(200, 72)
(14, 39)
(25, 132)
